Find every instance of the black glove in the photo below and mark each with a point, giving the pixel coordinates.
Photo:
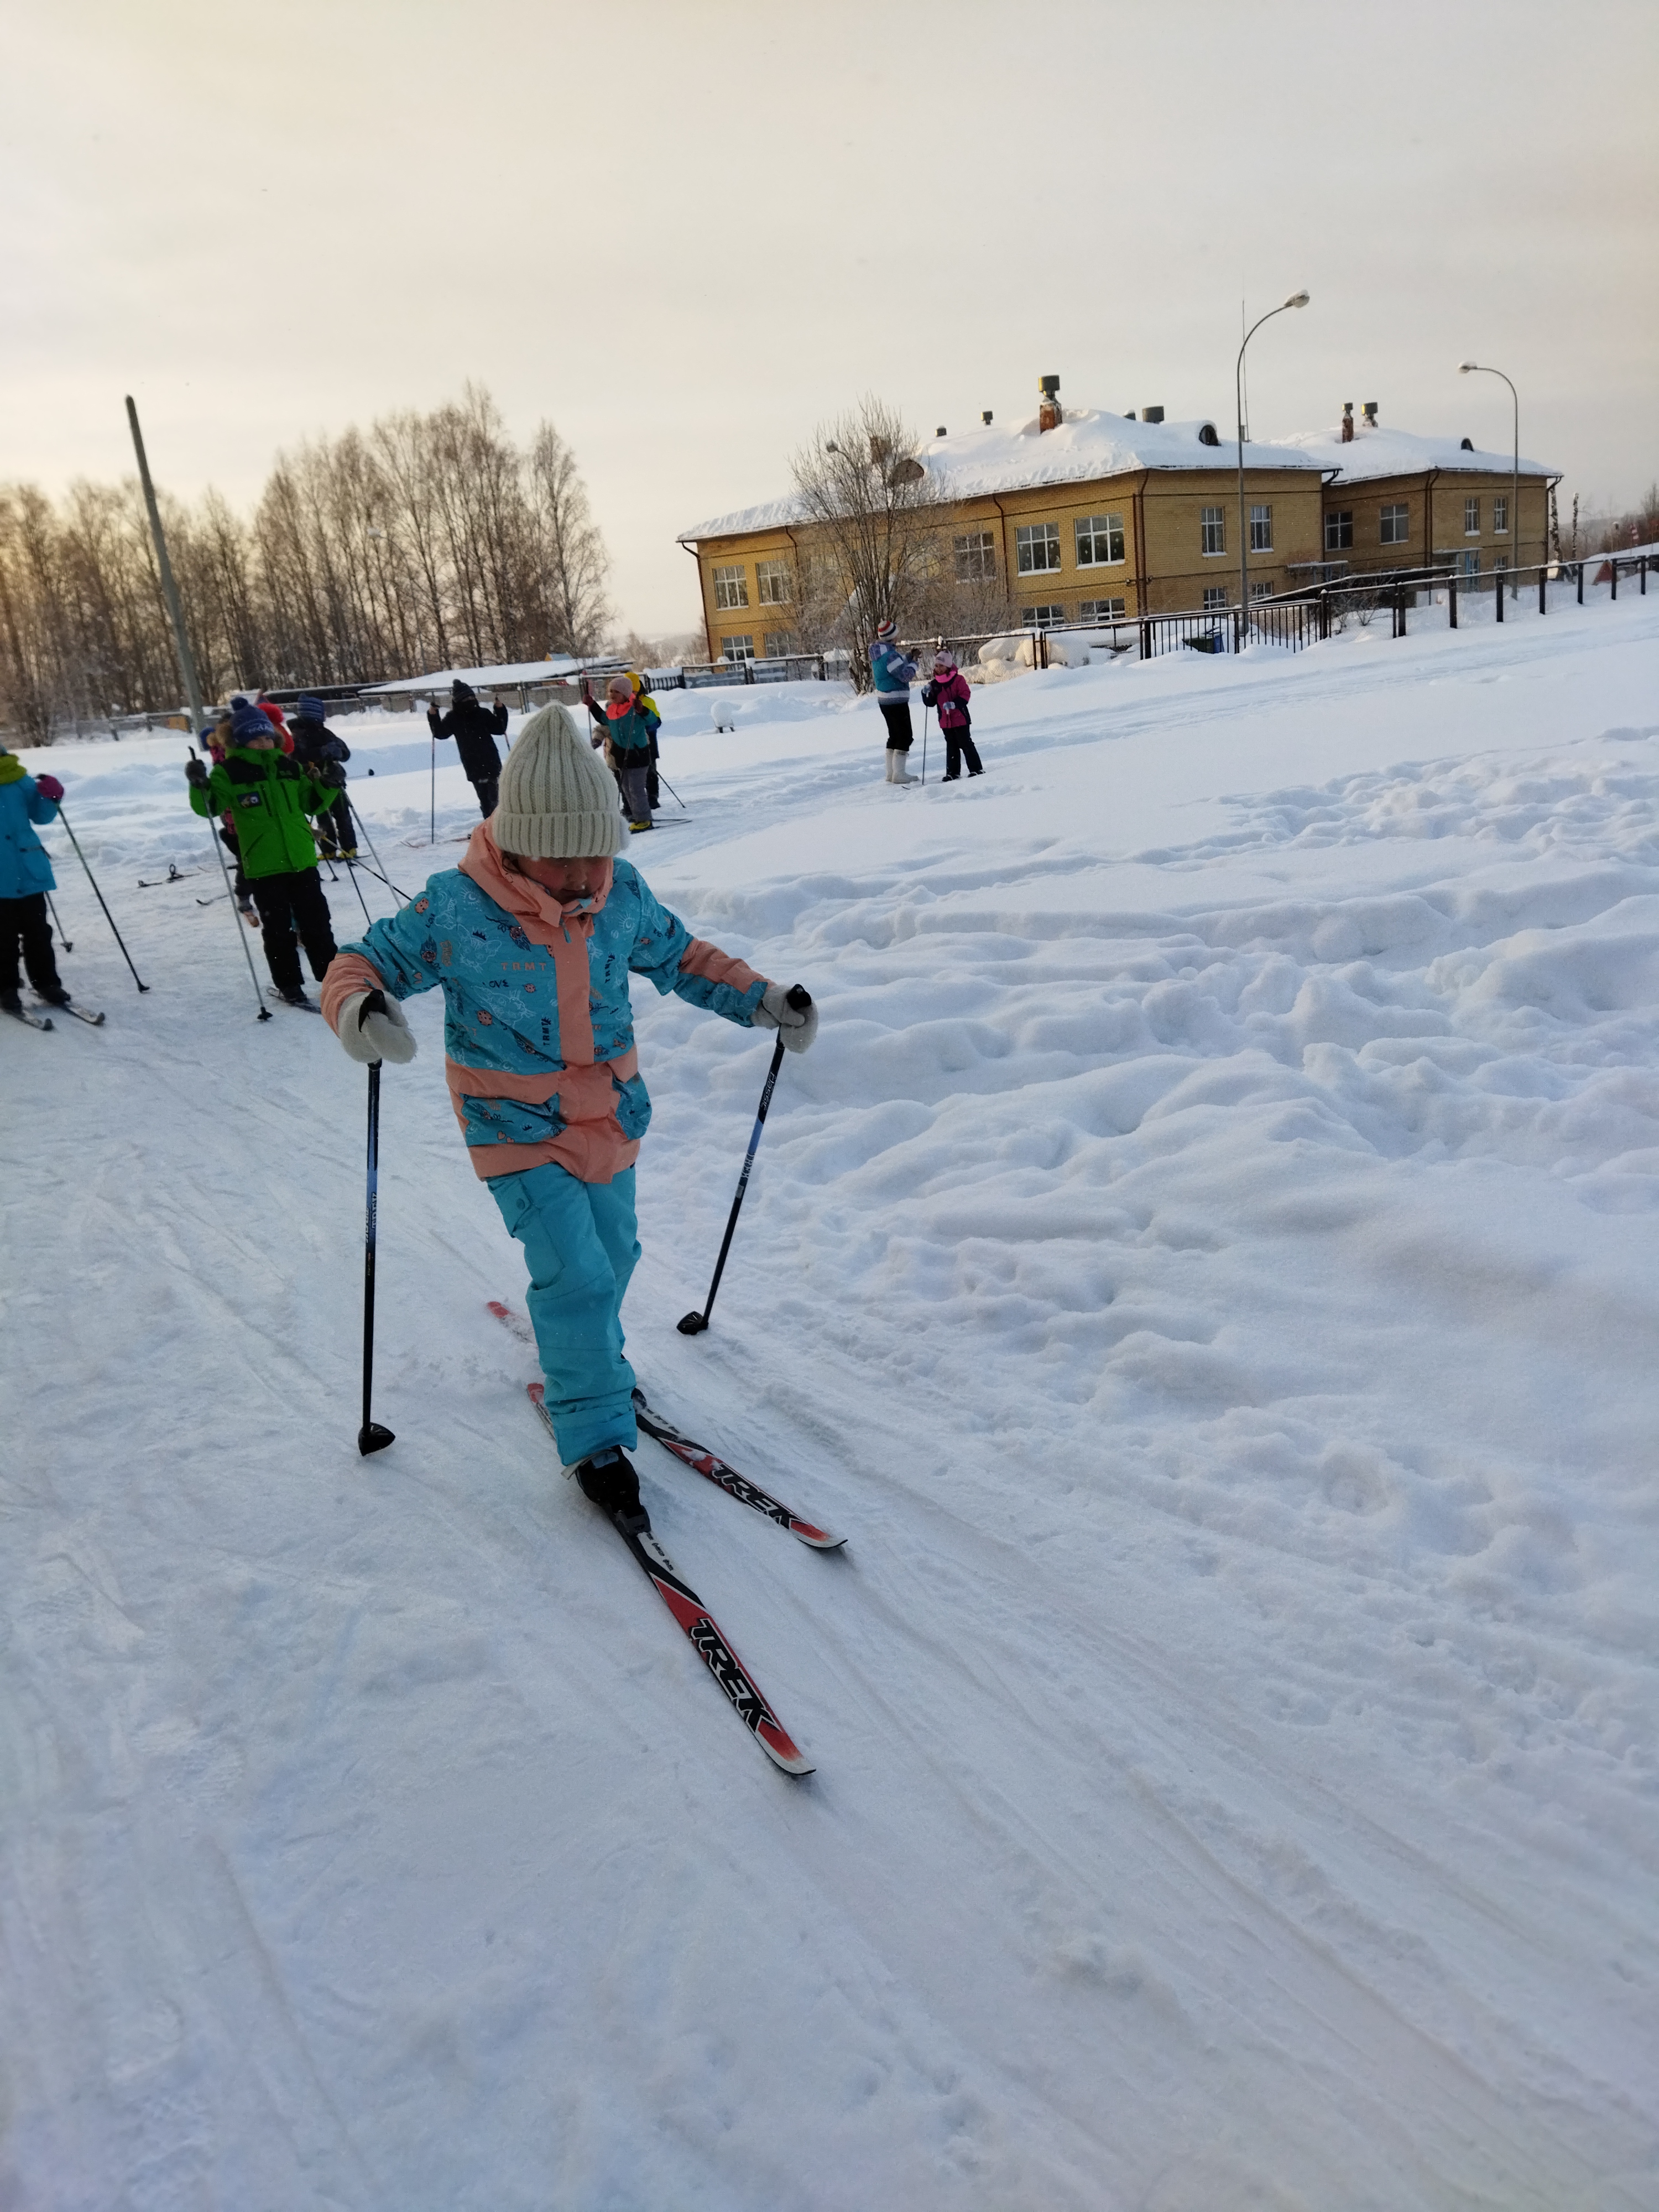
(332, 775)
(289, 766)
(196, 772)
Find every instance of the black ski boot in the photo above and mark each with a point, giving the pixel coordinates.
(610, 1480)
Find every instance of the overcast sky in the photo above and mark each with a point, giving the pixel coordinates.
(686, 230)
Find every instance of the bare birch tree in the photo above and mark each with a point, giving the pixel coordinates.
(868, 508)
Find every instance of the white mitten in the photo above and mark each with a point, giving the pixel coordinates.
(372, 1027)
(797, 1024)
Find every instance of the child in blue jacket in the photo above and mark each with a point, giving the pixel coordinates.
(532, 939)
(26, 877)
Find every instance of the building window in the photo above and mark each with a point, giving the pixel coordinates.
(1262, 591)
(1212, 530)
(1261, 530)
(1395, 525)
(1471, 518)
(1039, 547)
(731, 587)
(1099, 541)
(1042, 617)
(1470, 566)
(780, 643)
(977, 556)
(1339, 530)
(1215, 598)
(1100, 611)
(737, 648)
(1500, 517)
(772, 583)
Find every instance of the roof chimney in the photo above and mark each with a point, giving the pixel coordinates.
(1347, 422)
(986, 417)
(941, 432)
(1048, 411)
(1151, 414)
(1370, 413)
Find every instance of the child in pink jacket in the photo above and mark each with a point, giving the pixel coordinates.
(948, 692)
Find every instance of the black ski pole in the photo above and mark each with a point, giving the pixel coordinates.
(674, 795)
(93, 880)
(66, 943)
(235, 907)
(695, 1323)
(379, 868)
(371, 1437)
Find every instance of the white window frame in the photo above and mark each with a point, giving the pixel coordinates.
(1101, 611)
(737, 649)
(1500, 515)
(1213, 532)
(1264, 591)
(976, 552)
(1047, 617)
(1215, 598)
(1094, 530)
(1031, 538)
(774, 574)
(731, 587)
(1471, 516)
(1339, 530)
(780, 645)
(1394, 524)
(1261, 530)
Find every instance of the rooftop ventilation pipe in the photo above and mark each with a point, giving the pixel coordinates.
(1347, 422)
(1370, 413)
(984, 417)
(941, 432)
(1151, 414)
(1048, 411)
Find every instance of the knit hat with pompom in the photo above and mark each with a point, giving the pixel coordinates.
(558, 799)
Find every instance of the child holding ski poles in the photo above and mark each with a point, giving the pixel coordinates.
(949, 695)
(26, 877)
(268, 796)
(532, 939)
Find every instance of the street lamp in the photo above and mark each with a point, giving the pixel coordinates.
(1296, 299)
(1479, 369)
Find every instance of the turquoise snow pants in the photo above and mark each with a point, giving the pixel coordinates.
(579, 1240)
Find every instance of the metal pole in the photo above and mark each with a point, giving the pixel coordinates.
(1296, 299)
(1480, 368)
(186, 668)
(67, 945)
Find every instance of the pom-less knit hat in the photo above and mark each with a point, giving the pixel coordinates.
(558, 799)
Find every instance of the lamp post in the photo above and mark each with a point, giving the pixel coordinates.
(1296, 299)
(1480, 368)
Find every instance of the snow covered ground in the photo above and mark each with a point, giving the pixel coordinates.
(1207, 1266)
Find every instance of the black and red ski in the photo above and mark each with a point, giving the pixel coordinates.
(725, 1477)
(700, 1625)
(698, 1457)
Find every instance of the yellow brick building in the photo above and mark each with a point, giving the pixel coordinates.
(1084, 516)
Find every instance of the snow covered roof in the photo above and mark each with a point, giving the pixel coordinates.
(999, 457)
(515, 672)
(1381, 453)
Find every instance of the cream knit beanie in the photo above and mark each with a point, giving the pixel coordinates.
(558, 801)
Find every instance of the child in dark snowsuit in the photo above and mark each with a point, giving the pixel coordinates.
(314, 746)
(474, 728)
(949, 694)
(26, 877)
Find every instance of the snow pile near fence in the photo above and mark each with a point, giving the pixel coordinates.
(1207, 1266)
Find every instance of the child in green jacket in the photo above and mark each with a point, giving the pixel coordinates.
(268, 796)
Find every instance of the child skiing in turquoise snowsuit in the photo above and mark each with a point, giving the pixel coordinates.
(532, 939)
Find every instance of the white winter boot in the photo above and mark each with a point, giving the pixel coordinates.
(897, 771)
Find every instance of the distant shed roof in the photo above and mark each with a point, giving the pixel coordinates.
(1088, 443)
(515, 672)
